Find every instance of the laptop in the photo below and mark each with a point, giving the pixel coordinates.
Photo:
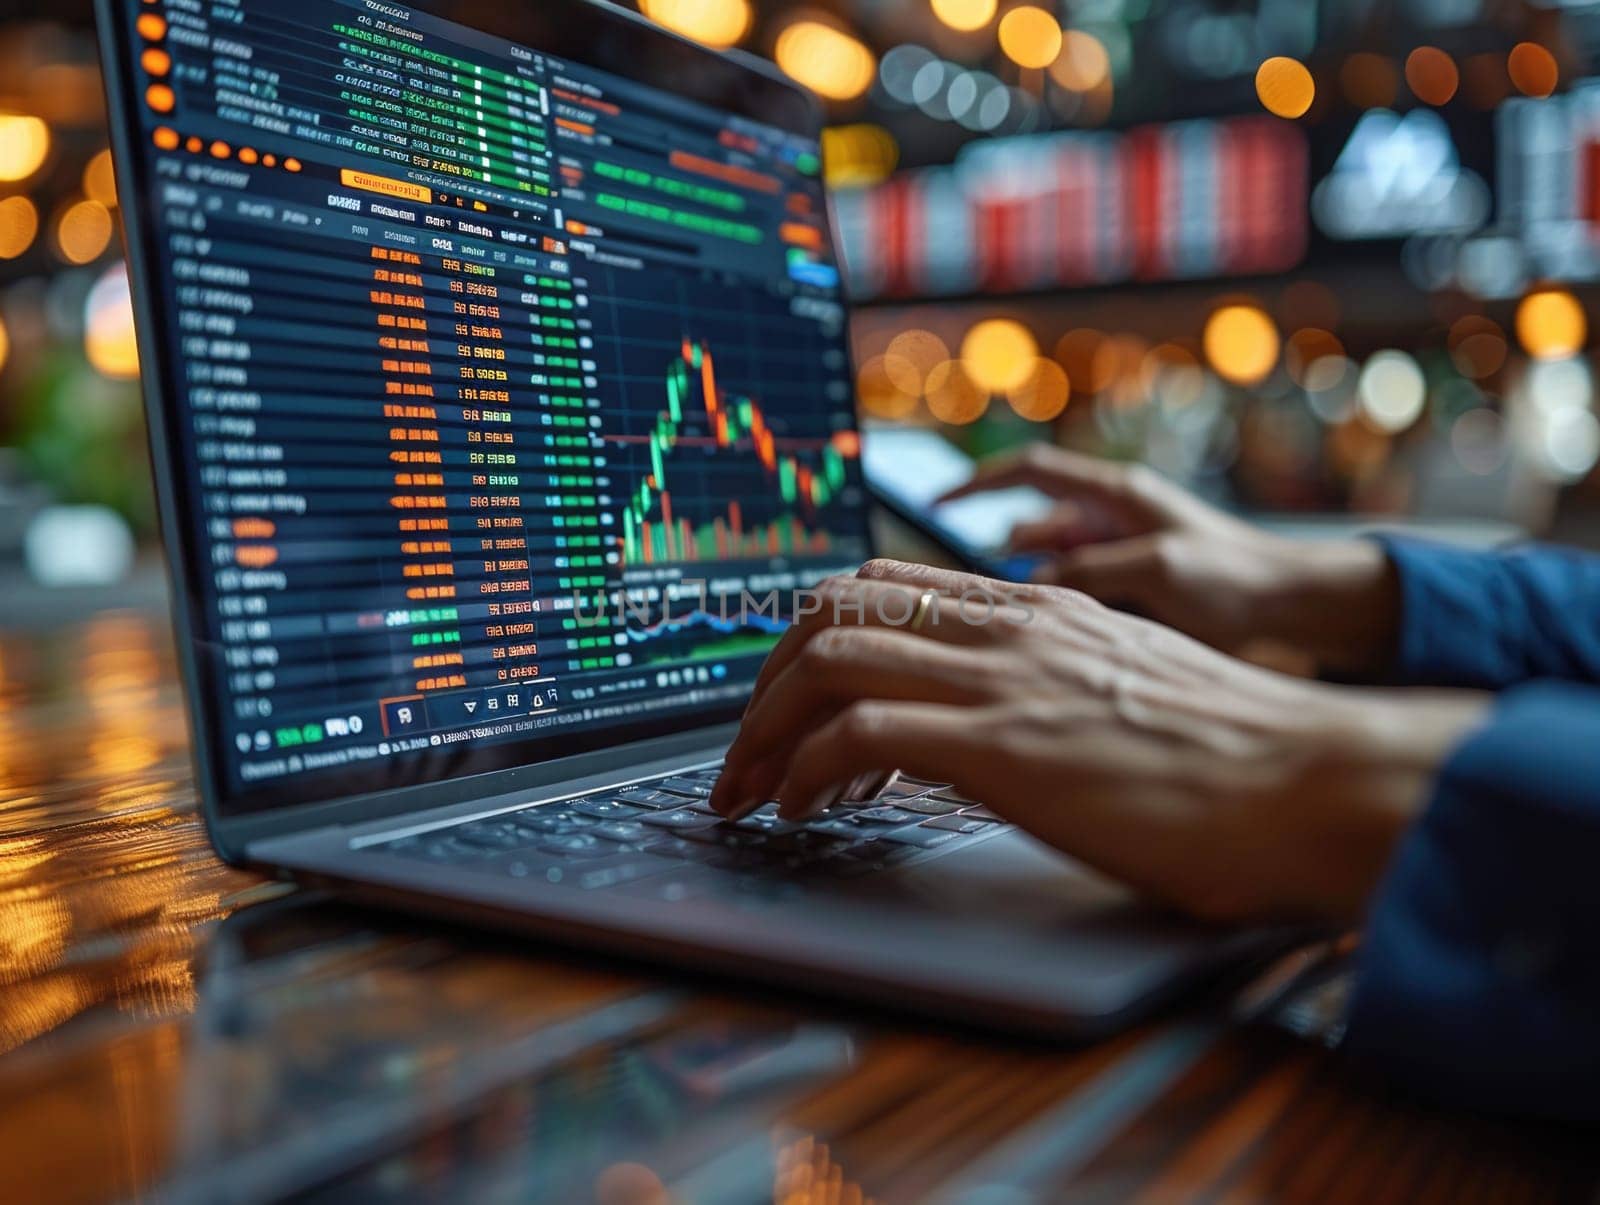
(497, 377)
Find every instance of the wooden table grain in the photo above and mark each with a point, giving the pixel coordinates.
(173, 1030)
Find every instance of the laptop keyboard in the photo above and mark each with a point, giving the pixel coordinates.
(648, 830)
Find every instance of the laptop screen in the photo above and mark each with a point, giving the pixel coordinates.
(506, 394)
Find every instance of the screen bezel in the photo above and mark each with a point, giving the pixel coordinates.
(592, 33)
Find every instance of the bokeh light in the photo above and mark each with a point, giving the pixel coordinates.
(1285, 87)
(998, 355)
(1369, 81)
(858, 156)
(829, 61)
(965, 15)
(1533, 69)
(1304, 354)
(1392, 391)
(108, 334)
(880, 396)
(1044, 395)
(1477, 347)
(1084, 64)
(19, 226)
(911, 358)
(83, 232)
(954, 397)
(1551, 324)
(100, 180)
(718, 23)
(1242, 343)
(1432, 75)
(1076, 352)
(1571, 445)
(24, 146)
(1030, 37)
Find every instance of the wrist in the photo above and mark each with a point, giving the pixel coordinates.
(1375, 774)
(1340, 602)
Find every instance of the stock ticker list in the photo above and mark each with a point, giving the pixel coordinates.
(500, 379)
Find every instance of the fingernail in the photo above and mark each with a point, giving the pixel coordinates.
(742, 808)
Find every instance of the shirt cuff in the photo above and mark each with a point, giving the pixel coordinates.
(1479, 979)
(1453, 620)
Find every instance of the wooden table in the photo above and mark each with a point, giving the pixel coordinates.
(174, 1030)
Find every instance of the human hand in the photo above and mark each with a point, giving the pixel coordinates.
(1129, 537)
(1231, 792)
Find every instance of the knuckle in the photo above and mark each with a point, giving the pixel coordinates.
(878, 569)
(1139, 479)
(860, 722)
(826, 649)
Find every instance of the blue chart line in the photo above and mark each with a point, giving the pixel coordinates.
(705, 619)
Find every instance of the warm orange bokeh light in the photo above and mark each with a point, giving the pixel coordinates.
(24, 146)
(1285, 88)
(83, 232)
(100, 180)
(1242, 344)
(1083, 65)
(1044, 395)
(160, 98)
(880, 396)
(1432, 75)
(829, 61)
(1533, 69)
(1305, 349)
(965, 15)
(1478, 346)
(998, 354)
(19, 226)
(719, 23)
(156, 61)
(911, 357)
(954, 397)
(1551, 324)
(1030, 37)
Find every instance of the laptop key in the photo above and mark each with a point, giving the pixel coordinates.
(723, 835)
(621, 831)
(572, 844)
(607, 809)
(554, 820)
(692, 787)
(494, 837)
(929, 806)
(920, 837)
(892, 815)
(958, 824)
(598, 876)
(686, 821)
(902, 790)
(951, 795)
(981, 813)
(674, 849)
(649, 797)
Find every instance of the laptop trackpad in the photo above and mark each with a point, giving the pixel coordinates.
(1012, 877)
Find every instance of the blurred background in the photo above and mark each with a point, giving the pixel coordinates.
(1314, 257)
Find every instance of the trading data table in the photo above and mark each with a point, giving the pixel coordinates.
(501, 381)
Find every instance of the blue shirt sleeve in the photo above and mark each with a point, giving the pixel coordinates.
(1479, 979)
(1491, 620)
